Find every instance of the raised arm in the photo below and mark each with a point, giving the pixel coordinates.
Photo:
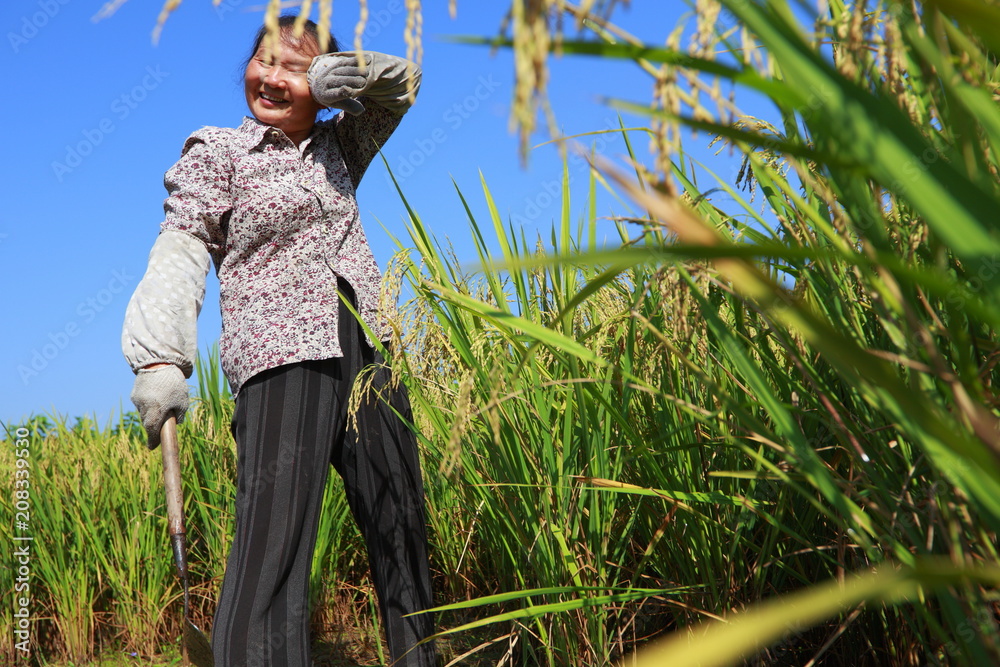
(375, 97)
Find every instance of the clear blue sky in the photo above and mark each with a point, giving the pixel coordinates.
(97, 114)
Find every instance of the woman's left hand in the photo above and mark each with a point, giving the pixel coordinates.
(336, 80)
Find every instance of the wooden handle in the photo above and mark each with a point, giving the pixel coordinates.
(172, 476)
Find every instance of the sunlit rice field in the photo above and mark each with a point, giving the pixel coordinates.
(752, 432)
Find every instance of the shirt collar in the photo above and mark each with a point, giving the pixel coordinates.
(252, 133)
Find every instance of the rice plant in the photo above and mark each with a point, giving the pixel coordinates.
(838, 355)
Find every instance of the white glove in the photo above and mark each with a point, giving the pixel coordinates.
(157, 394)
(336, 80)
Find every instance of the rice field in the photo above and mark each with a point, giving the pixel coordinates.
(761, 429)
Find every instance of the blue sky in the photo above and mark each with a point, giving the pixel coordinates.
(102, 114)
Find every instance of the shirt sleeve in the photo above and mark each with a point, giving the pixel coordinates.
(198, 201)
(386, 100)
(361, 137)
(161, 317)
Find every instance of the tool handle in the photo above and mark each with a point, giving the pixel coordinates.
(175, 494)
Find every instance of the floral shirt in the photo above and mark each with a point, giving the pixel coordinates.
(281, 224)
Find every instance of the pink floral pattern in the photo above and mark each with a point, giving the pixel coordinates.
(281, 223)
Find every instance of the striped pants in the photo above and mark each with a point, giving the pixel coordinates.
(290, 424)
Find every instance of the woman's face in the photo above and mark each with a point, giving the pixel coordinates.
(276, 88)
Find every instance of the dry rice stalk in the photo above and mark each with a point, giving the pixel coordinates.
(300, 21)
(531, 50)
(168, 6)
(388, 301)
(414, 36)
(414, 31)
(451, 461)
(704, 40)
(271, 37)
(359, 28)
(111, 6)
(362, 392)
(893, 53)
(666, 96)
(325, 19)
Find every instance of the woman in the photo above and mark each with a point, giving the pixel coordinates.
(272, 203)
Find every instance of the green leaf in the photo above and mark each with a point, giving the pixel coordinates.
(741, 635)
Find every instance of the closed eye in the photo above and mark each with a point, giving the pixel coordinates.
(290, 68)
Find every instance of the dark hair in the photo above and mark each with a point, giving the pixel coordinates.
(286, 24)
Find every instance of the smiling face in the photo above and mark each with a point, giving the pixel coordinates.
(276, 88)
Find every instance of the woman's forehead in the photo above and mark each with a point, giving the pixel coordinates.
(290, 47)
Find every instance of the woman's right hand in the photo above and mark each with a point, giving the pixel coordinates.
(160, 391)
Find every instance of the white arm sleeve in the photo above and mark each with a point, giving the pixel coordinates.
(162, 316)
